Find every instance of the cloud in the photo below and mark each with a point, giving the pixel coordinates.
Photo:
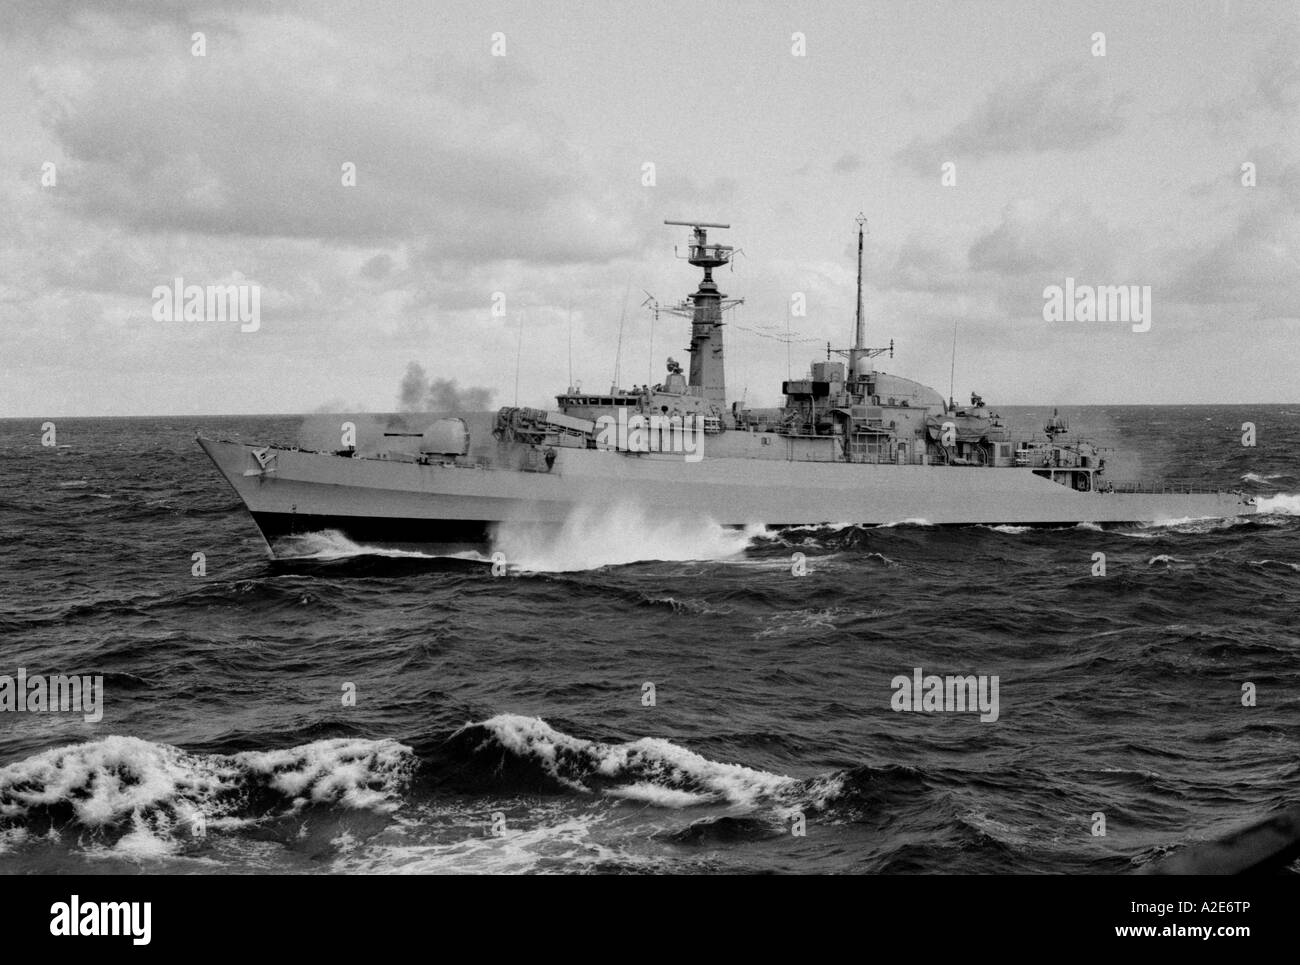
(378, 267)
(251, 141)
(847, 164)
(1277, 74)
(1271, 86)
(919, 266)
(1035, 238)
(1064, 109)
(56, 16)
(1255, 266)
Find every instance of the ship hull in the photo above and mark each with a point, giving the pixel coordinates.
(390, 502)
(376, 530)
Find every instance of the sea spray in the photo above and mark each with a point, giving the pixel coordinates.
(591, 537)
(1283, 504)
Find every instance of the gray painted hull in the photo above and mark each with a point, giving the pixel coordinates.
(391, 502)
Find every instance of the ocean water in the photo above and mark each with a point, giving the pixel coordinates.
(505, 723)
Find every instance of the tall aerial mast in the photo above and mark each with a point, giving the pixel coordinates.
(859, 342)
(859, 349)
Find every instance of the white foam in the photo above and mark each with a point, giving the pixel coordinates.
(1191, 525)
(664, 797)
(108, 780)
(339, 771)
(798, 623)
(592, 537)
(1283, 504)
(556, 842)
(146, 840)
(818, 527)
(330, 544)
(654, 770)
(155, 790)
(11, 838)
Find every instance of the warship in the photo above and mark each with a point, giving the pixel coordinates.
(852, 444)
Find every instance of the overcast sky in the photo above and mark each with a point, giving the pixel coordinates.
(523, 174)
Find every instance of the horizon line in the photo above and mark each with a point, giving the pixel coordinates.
(391, 412)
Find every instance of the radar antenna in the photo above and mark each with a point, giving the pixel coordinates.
(705, 308)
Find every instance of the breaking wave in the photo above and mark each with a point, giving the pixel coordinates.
(1255, 477)
(330, 544)
(511, 751)
(145, 799)
(1266, 563)
(365, 805)
(650, 770)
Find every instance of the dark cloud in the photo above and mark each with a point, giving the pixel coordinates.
(250, 141)
(1255, 265)
(922, 267)
(1033, 237)
(1066, 108)
(50, 17)
(847, 164)
(378, 267)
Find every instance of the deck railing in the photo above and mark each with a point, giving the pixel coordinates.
(1158, 486)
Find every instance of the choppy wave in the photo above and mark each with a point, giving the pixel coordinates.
(650, 770)
(1196, 525)
(565, 843)
(1282, 563)
(148, 799)
(687, 606)
(513, 751)
(1164, 559)
(330, 544)
(756, 671)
